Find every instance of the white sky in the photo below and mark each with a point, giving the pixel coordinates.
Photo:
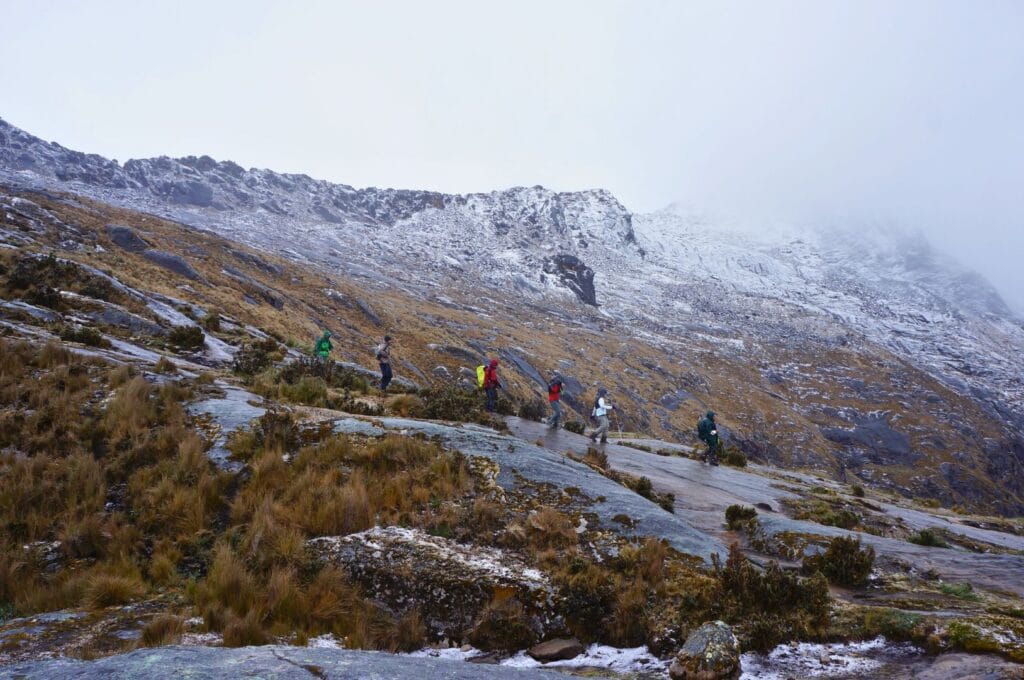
(903, 112)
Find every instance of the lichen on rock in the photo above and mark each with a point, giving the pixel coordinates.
(711, 652)
(451, 584)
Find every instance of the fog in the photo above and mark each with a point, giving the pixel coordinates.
(908, 114)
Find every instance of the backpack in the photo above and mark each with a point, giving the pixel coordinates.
(593, 411)
(480, 375)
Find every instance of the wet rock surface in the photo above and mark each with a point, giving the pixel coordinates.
(448, 582)
(703, 493)
(520, 462)
(286, 663)
(711, 652)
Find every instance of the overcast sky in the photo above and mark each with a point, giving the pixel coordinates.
(906, 113)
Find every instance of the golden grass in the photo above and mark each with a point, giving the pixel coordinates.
(162, 629)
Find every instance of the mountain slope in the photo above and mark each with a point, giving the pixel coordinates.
(870, 356)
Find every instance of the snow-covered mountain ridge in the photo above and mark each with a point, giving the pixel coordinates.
(670, 279)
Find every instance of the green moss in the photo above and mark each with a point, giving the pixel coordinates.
(892, 623)
(964, 591)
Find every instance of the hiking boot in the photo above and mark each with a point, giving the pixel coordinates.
(604, 440)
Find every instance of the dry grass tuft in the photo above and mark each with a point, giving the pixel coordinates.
(162, 629)
(108, 590)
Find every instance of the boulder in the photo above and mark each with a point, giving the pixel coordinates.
(172, 262)
(560, 649)
(451, 584)
(711, 652)
(126, 238)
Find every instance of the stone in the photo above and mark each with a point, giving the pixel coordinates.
(126, 238)
(560, 649)
(172, 262)
(711, 652)
(441, 372)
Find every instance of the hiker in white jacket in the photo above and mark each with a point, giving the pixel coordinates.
(601, 408)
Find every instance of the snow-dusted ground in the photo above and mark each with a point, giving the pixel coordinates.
(808, 660)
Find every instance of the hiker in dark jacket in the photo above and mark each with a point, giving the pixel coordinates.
(555, 399)
(601, 409)
(707, 432)
(491, 384)
(384, 357)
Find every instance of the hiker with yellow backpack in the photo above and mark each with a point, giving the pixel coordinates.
(487, 378)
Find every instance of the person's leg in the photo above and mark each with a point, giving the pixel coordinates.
(602, 428)
(385, 376)
(492, 398)
(556, 413)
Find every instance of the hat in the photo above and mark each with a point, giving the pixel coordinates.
(387, 338)
(711, 415)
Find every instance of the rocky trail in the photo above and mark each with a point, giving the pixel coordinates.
(703, 492)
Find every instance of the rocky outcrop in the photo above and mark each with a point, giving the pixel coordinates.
(449, 583)
(711, 652)
(575, 275)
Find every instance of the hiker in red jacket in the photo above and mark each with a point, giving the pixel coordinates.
(555, 399)
(491, 385)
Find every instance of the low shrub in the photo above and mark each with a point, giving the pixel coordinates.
(929, 538)
(772, 605)
(533, 409)
(844, 562)
(503, 627)
(211, 322)
(737, 516)
(406, 406)
(575, 426)
(165, 366)
(307, 390)
(86, 335)
(735, 457)
(187, 337)
(857, 490)
(450, 402)
(255, 357)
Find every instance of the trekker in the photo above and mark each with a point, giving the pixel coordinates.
(383, 353)
(491, 385)
(601, 408)
(707, 432)
(323, 349)
(555, 399)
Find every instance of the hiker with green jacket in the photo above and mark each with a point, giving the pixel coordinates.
(324, 347)
(707, 432)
